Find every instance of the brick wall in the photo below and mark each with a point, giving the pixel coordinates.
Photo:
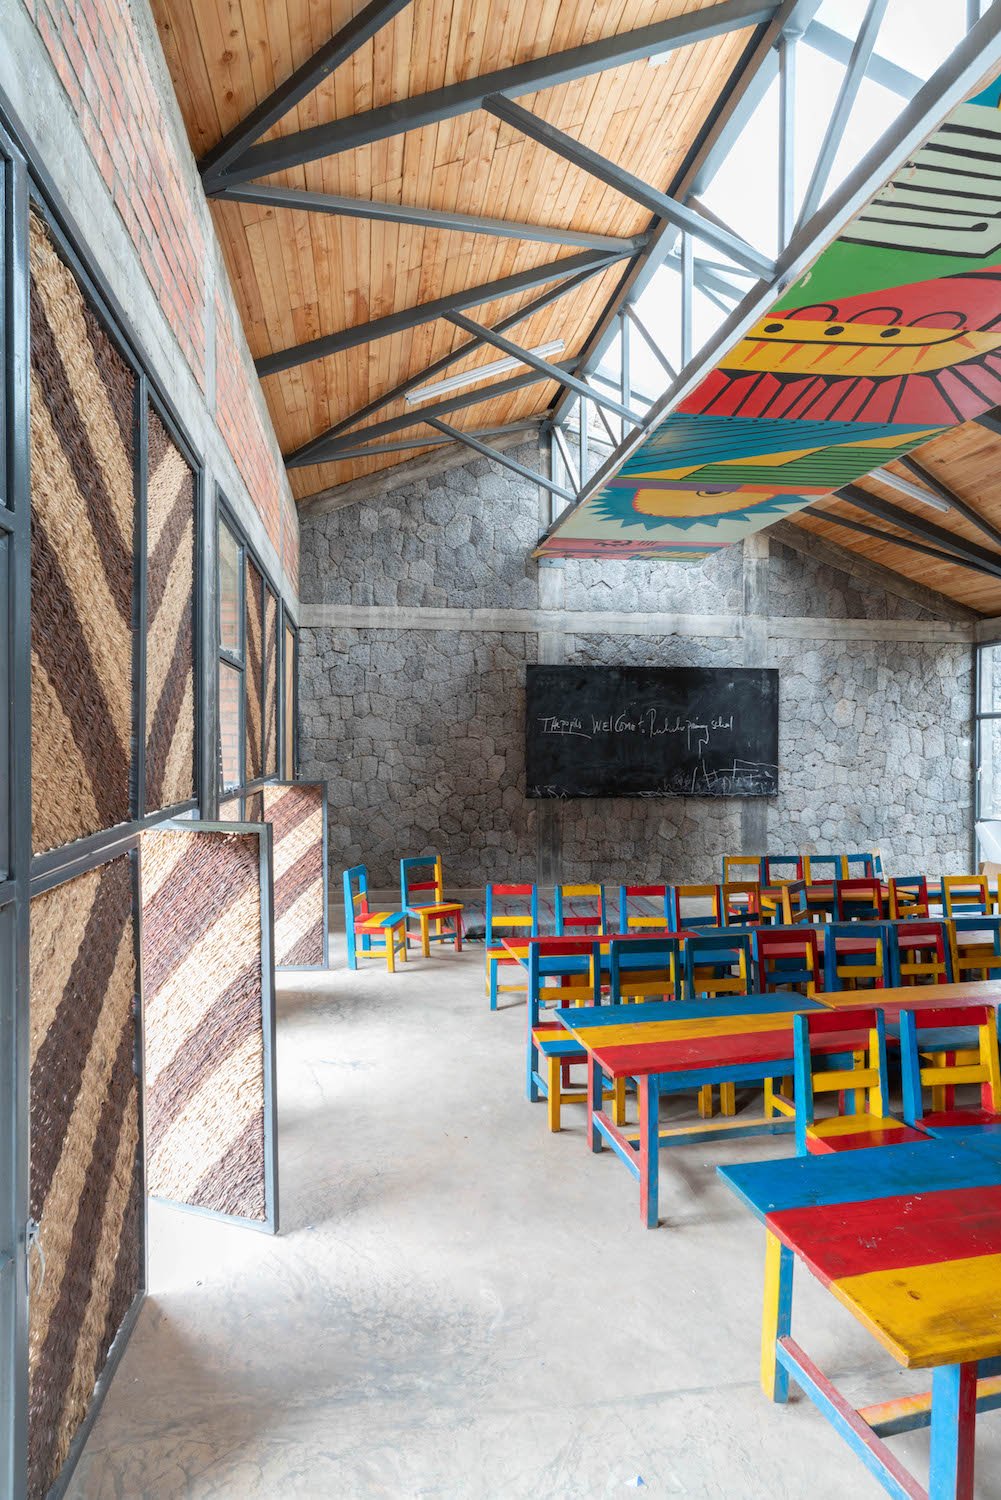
(107, 59)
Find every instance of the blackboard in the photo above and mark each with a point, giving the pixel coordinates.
(651, 732)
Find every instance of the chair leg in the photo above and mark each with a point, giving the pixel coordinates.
(494, 966)
(553, 1088)
(728, 1098)
(619, 1101)
(706, 1106)
(777, 1319)
(390, 944)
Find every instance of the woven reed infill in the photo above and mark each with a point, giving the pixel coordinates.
(86, 1189)
(253, 808)
(204, 1020)
(82, 513)
(295, 813)
(231, 811)
(170, 676)
(270, 711)
(252, 674)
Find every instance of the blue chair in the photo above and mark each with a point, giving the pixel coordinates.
(680, 917)
(824, 867)
(642, 967)
(504, 923)
(854, 951)
(862, 865)
(710, 961)
(637, 921)
(776, 868)
(570, 921)
(371, 934)
(919, 950)
(862, 1081)
(975, 947)
(561, 978)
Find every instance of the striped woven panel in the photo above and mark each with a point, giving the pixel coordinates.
(203, 1020)
(86, 1170)
(270, 714)
(82, 510)
(253, 808)
(252, 674)
(296, 814)
(170, 675)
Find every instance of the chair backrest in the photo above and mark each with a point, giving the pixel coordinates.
(867, 962)
(965, 894)
(795, 907)
(908, 896)
(917, 1028)
(859, 865)
(824, 867)
(569, 919)
(741, 867)
(908, 940)
(725, 950)
(740, 902)
(525, 912)
(679, 913)
(784, 958)
(553, 959)
(636, 921)
(776, 868)
(858, 900)
(641, 966)
(839, 1032)
(421, 880)
(975, 944)
(355, 894)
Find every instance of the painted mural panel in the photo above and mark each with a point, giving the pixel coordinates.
(86, 1165)
(891, 336)
(82, 514)
(208, 1021)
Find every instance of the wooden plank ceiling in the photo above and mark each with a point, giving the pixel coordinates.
(300, 275)
(966, 459)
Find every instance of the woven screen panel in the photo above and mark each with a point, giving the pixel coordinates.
(86, 1188)
(270, 711)
(203, 1020)
(82, 515)
(296, 815)
(253, 808)
(170, 666)
(252, 675)
(231, 811)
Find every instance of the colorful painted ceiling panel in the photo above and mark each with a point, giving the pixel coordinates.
(891, 336)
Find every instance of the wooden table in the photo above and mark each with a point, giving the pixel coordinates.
(908, 1238)
(896, 998)
(679, 1045)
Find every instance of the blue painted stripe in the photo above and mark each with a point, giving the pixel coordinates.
(581, 1017)
(621, 1151)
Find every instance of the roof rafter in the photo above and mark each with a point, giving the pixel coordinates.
(926, 530)
(910, 543)
(455, 436)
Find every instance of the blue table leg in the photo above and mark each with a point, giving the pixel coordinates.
(953, 1428)
(777, 1319)
(649, 1152)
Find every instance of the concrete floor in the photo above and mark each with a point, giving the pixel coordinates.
(460, 1305)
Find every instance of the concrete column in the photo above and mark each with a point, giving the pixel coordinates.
(754, 810)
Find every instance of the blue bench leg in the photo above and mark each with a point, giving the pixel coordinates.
(953, 1428)
(595, 1100)
(494, 966)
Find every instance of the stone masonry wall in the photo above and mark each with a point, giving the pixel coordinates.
(417, 719)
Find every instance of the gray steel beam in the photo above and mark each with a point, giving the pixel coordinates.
(614, 385)
(536, 362)
(838, 47)
(862, 50)
(427, 312)
(926, 530)
(425, 218)
(746, 87)
(897, 541)
(787, 139)
(455, 436)
(405, 444)
(302, 455)
(568, 462)
(614, 176)
(522, 78)
(331, 450)
(360, 29)
(970, 61)
(945, 492)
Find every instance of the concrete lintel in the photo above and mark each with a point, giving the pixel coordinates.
(611, 622)
(988, 631)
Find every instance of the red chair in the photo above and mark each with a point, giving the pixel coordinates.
(788, 960)
(918, 952)
(859, 900)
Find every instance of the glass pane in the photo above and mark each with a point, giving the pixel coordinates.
(990, 680)
(230, 739)
(230, 592)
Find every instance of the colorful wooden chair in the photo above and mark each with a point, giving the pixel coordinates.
(644, 968)
(975, 947)
(570, 920)
(522, 921)
(371, 934)
(564, 971)
(863, 866)
(794, 905)
(740, 903)
(680, 902)
(919, 952)
(631, 920)
(422, 892)
(854, 951)
(859, 899)
(718, 964)
(787, 960)
(778, 868)
(741, 867)
(966, 895)
(824, 868)
(863, 1083)
(960, 1061)
(908, 897)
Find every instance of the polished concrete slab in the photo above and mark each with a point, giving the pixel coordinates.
(461, 1305)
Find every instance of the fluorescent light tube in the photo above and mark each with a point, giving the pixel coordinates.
(482, 372)
(911, 490)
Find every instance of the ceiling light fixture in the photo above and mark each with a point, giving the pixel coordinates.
(911, 490)
(482, 372)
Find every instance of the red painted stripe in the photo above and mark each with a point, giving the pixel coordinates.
(858, 1140)
(696, 1054)
(886, 1234)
